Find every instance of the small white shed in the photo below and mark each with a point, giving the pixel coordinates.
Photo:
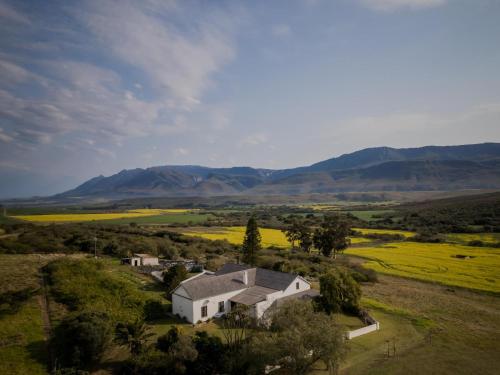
(144, 260)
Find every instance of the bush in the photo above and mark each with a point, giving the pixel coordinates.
(80, 340)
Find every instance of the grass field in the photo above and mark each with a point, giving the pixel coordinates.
(82, 217)
(369, 215)
(451, 264)
(464, 238)
(22, 339)
(403, 233)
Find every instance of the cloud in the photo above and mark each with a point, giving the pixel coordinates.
(5, 137)
(255, 139)
(473, 125)
(281, 30)
(8, 13)
(177, 63)
(392, 5)
(43, 98)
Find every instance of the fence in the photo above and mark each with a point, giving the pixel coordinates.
(363, 331)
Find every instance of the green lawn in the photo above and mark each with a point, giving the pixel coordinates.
(368, 215)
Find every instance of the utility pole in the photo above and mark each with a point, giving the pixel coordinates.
(95, 247)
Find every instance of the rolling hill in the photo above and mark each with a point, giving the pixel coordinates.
(374, 169)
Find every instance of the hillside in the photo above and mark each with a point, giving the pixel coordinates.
(428, 168)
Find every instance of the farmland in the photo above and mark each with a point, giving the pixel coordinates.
(450, 264)
(235, 235)
(463, 238)
(83, 217)
(404, 233)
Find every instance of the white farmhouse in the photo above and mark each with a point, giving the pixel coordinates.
(212, 294)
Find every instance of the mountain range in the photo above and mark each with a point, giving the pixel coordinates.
(373, 169)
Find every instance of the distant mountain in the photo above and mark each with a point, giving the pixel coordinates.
(373, 169)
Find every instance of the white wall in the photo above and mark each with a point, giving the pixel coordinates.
(261, 307)
(362, 331)
(150, 261)
(182, 305)
(212, 304)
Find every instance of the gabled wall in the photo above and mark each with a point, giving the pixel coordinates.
(182, 304)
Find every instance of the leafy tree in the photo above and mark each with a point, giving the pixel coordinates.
(304, 336)
(166, 341)
(305, 238)
(80, 340)
(292, 231)
(133, 335)
(174, 276)
(251, 242)
(339, 292)
(332, 236)
(211, 353)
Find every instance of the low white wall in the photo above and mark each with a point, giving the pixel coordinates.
(362, 331)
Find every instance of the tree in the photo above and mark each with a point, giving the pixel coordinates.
(332, 236)
(304, 336)
(174, 276)
(292, 231)
(133, 335)
(305, 238)
(339, 292)
(251, 242)
(211, 353)
(165, 342)
(298, 230)
(80, 340)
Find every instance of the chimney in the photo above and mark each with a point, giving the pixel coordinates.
(245, 277)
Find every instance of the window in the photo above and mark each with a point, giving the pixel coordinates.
(204, 311)
(297, 285)
(221, 306)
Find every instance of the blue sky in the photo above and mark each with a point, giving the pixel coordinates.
(93, 87)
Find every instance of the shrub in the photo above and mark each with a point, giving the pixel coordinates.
(80, 340)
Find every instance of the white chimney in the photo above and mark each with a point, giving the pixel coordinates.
(245, 277)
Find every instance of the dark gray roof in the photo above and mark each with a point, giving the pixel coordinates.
(230, 278)
(304, 295)
(231, 267)
(252, 295)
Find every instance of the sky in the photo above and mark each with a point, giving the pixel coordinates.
(94, 87)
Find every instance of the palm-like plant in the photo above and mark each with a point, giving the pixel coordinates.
(133, 335)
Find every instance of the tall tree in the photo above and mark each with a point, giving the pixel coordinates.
(174, 276)
(252, 242)
(332, 236)
(293, 230)
(339, 292)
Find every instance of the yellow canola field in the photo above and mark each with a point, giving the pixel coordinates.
(451, 264)
(235, 235)
(467, 237)
(403, 233)
(61, 218)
